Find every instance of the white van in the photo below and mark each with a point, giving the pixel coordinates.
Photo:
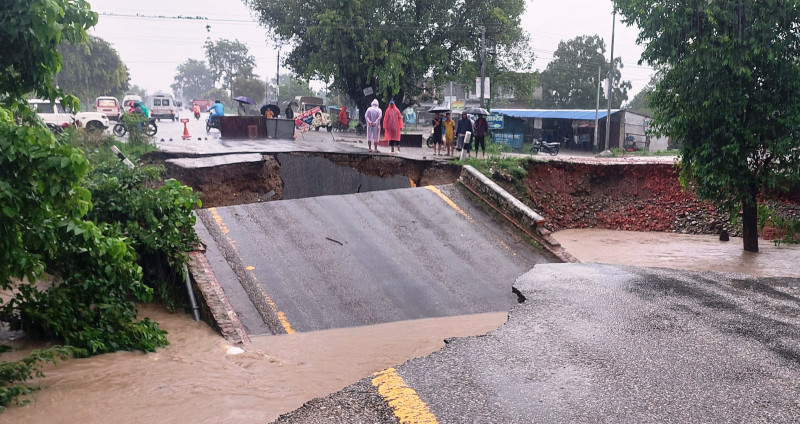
(163, 106)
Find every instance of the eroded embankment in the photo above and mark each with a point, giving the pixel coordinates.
(296, 175)
(635, 197)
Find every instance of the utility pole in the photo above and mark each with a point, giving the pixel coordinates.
(607, 144)
(597, 109)
(483, 64)
(278, 76)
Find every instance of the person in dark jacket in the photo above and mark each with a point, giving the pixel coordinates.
(481, 129)
(464, 126)
(289, 112)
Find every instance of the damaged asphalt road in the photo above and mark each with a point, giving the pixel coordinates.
(603, 343)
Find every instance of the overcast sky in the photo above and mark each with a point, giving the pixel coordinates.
(153, 47)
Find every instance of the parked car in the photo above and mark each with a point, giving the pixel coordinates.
(55, 116)
(108, 105)
(163, 106)
(128, 101)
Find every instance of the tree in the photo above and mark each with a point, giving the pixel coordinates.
(193, 79)
(43, 202)
(640, 103)
(729, 89)
(228, 60)
(570, 79)
(290, 87)
(390, 47)
(92, 69)
(251, 87)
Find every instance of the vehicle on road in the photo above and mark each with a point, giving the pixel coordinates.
(544, 146)
(149, 127)
(55, 116)
(323, 119)
(163, 106)
(108, 105)
(129, 100)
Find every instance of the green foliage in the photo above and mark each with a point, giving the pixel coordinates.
(790, 228)
(134, 123)
(31, 29)
(617, 152)
(229, 60)
(251, 87)
(391, 47)
(92, 69)
(291, 87)
(728, 89)
(44, 231)
(570, 80)
(193, 79)
(14, 374)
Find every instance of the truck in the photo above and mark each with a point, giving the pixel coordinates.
(306, 103)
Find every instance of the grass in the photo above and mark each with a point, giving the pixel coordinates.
(617, 152)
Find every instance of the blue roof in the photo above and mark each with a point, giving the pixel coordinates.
(579, 114)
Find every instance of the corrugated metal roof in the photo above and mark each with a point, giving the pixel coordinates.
(579, 114)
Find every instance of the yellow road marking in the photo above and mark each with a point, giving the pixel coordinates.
(272, 306)
(448, 200)
(404, 401)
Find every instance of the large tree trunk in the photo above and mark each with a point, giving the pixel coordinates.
(750, 221)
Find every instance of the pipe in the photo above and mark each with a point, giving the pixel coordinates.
(192, 300)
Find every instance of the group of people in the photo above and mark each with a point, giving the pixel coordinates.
(392, 125)
(445, 130)
(445, 127)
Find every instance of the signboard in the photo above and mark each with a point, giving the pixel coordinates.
(495, 121)
(410, 116)
(459, 105)
(537, 123)
(512, 140)
(305, 120)
(368, 91)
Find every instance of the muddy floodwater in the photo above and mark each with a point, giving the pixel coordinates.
(195, 381)
(680, 251)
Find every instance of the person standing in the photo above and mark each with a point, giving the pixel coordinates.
(437, 134)
(481, 129)
(289, 112)
(373, 118)
(449, 133)
(464, 126)
(343, 120)
(392, 125)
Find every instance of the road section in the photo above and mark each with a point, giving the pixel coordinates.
(361, 259)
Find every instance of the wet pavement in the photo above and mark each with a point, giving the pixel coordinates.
(603, 343)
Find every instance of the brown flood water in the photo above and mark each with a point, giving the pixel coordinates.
(195, 381)
(680, 251)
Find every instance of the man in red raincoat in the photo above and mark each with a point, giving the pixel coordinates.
(392, 125)
(344, 121)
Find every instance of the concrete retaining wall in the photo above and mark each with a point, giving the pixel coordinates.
(514, 210)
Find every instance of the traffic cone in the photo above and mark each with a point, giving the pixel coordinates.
(186, 135)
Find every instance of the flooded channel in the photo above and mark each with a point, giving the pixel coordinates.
(195, 381)
(680, 251)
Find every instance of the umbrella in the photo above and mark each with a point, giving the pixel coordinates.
(243, 99)
(439, 109)
(477, 111)
(275, 110)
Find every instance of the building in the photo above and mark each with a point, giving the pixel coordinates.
(575, 129)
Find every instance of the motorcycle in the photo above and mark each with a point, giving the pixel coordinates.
(212, 123)
(149, 127)
(551, 148)
(197, 116)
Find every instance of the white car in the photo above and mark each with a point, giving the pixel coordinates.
(54, 115)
